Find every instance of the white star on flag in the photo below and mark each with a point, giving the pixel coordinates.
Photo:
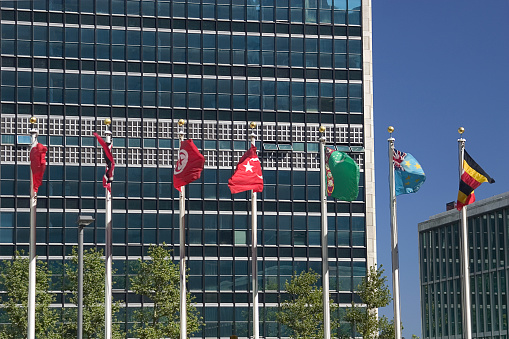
(249, 167)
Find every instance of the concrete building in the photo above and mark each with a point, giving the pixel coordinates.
(488, 237)
(290, 66)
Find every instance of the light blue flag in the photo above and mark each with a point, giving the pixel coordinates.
(408, 173)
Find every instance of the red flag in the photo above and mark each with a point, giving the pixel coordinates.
(248, 175)
(189, 164)
(38, 164)
(110, 163)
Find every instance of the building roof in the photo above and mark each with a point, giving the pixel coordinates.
(478, 207)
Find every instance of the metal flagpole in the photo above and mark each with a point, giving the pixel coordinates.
(254, 251)
(32, 247)
(465, 272)
(108, 296)
(394, 239)
(325, 253)
(182, 248)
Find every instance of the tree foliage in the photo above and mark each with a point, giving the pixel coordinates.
(302, 313)
(15, 279)
(158, 280)
(374, 293)
(93, 296)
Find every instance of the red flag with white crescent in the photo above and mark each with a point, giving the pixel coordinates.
(189, 164)
(248, 175)
(38, 164)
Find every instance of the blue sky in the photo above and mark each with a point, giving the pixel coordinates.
(437, 65)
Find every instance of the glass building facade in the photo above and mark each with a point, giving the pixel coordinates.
(439, 250)
(288, 65)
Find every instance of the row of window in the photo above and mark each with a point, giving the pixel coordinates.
(183, 55)
(194, 221)
(164, 157)
(73, 128)
(177, 84)
(295, 11)
(139, 98)
(180, 39)
(206, 25)
(194, 237)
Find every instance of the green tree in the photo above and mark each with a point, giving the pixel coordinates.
(374, 293)
(158, 280)
(93, 296)
(14, 278)
(302, 313)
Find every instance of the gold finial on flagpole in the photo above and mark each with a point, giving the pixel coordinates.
(107, 121)
(322, 129)
(252, 124)
(390, 129)
(182, 122)
(461, 130)
(33, 120)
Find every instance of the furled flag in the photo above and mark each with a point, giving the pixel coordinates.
(38, 163)
(110, 163)
(189, 164)
(473, 176)
(408, 173)
(248, 174)
(342, 175)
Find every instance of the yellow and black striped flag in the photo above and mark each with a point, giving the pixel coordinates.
(473, 176)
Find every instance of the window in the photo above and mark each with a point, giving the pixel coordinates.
(118, 128)
(7, 153)
(8, 125)
(341, 134)
(209, 131)
(313, 133)
(269, 132)
(56, 154)
(165, 129)
(299, 133)
(165, 158)
(299, 160)
(88, 155)
(225, 158)
(72, 155)
(56, 126)
(119, 154)
(134, 128)
(134, 156)
(284, 133)
(356, 134)
(194, 130)
(149, 156)
(87, 127)
(239, 132)
(149, 128)
(72, 127)
(210, 158)
(225, 132)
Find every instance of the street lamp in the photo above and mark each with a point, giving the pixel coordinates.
(83, 221)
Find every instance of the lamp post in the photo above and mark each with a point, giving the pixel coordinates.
(83, 221)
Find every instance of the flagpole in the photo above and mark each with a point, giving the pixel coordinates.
(182, 247)
(254, 250)
(465, 272)
(32, 246)
(325, 253)
(394, 240)
(108, 295)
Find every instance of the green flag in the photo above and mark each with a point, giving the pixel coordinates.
(342, 175)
